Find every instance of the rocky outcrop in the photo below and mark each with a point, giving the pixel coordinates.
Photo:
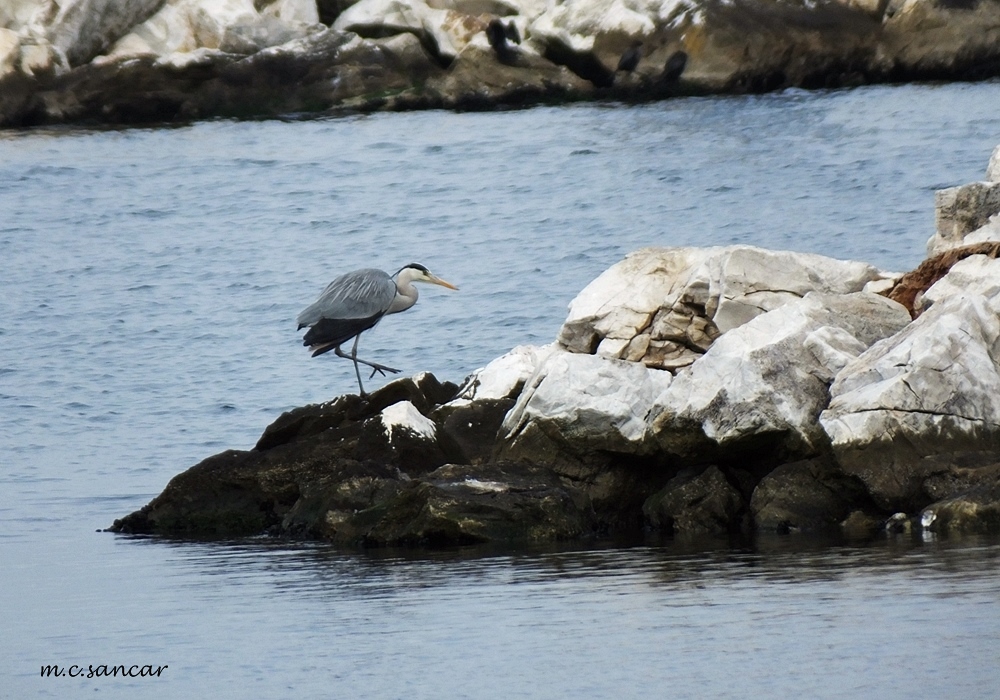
(932, 389)
(365, 472)
(665, 307)
(968, 214)
(759, 389)
(807, 403)
(164, 60)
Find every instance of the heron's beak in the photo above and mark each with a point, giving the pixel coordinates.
(434, 279)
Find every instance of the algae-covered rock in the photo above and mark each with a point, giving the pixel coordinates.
(694, 503)
(810, 495)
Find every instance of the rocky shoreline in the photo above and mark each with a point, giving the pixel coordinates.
(691, 391)
(142, 61)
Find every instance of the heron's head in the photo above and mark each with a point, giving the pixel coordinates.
(415, 272)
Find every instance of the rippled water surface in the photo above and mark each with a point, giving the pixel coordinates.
(150, 282)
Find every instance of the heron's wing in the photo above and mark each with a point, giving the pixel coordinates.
(362, 294)
(327, 334)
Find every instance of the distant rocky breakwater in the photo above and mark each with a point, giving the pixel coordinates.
(139, 61)
(690, 391)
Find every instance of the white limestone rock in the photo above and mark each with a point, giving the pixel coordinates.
(383, 17)
(78, 30)
(291, 11)
(963, 211)
(769, 379)
(404, 416)
(932, 389)
(989, 232)
(10, 51)
(232, 26)
(993, 169)
(500, 8)
(666, 306)
(585, 402)
(976, 274)
(576, 24)
(504, 377)
(447, 26)
(15, 14)
(39, 58)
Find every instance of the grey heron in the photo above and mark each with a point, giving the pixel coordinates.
(357, 301)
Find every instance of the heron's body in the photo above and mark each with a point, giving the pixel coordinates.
(356, 302)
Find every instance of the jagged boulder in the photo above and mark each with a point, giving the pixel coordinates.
(975, 274)
(470, 422)
(665, 307)
(965, 215)
(585, 418)
(993, 169)
(582, 404)
(909, 289)
(760, 388)
(70, 32)
(231, 26)
(932, 389)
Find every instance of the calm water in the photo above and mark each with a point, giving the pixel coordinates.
(150, 283)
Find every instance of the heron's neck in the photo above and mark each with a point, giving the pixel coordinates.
(406, 293)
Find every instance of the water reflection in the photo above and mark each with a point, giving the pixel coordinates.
(318, 569)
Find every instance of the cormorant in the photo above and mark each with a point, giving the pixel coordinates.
(630, 59)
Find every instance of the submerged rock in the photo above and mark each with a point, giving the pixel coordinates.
(811, 495)
(974, 510)
(705, 503)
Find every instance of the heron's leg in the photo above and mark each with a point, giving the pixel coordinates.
(376, 367)
(354, 358)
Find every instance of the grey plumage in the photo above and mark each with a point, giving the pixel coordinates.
(356, 302)
(362, 294)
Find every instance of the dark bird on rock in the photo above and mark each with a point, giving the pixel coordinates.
(512, 33)
(357, 301)
(674, 67)
(630, 59)
(496, 34)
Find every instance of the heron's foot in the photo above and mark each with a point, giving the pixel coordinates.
(381, 369)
